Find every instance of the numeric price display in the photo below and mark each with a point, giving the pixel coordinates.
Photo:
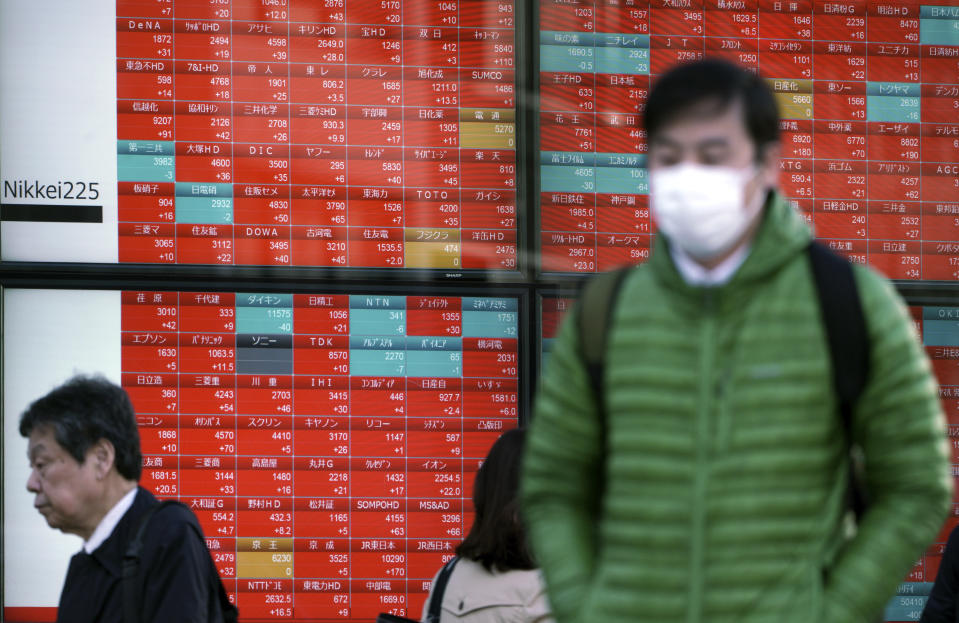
(868, 94)
(333, 133)
(328, 443)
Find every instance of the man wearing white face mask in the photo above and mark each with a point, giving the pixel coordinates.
(708, 479)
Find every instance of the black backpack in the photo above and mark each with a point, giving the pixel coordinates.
(131, 565)
(842, 317)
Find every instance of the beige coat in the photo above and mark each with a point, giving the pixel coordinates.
(474, 595)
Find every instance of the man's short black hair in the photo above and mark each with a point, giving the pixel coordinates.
(83, 411)
(497, 538)
(713, 80)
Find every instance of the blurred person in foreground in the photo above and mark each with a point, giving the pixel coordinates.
(84, 452)
(714, 488)
(495, 579)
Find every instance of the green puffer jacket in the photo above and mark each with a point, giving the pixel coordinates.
(727, 467)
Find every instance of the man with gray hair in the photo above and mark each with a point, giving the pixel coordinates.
(84, 452)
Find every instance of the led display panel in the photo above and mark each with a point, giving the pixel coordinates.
(261, 132)
(939, 328)
(327, 442)
(868, 93)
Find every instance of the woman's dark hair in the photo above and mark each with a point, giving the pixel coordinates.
(712, 80)
(497, 538)
(83, 411)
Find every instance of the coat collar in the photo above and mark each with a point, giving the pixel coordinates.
(110, 553)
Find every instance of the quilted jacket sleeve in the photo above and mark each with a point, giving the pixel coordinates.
(901, 428)
(559, 476)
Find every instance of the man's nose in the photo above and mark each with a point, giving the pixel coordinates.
(33, 482)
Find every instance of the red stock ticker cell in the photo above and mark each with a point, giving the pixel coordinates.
(742, 51)
(939, 261)
(218, 440)
(893, 62)
(939, 142)
(438, 213)
(320, 354)
(146, 243)
(894, 220)
(149, 311)
(212, 85)
(839, 100)
(687, 21)
(893, 22)
(669, 50)
(620, 133)
(490, 210)
(321, 314)
(614, 250)
(319, 246)
(145, 202)
(939, 219)
(200, 353)
(251, 438)
(487, 88)
(153, 401)
(779, 21)
(444, 322)
(433, 47)
(568, 252)
(134, 41)
(840, 61)
(158, 434)
(840, 219)
(145, 120)
(136, 9)
(317, 83)
(736, 24)
(938, 65)
(894, 142)
(897, 259)
(850, 25)
(446, 444)
(204, 162)
(566, 17)
(564, 91)
(324, 438)
(209, 244)
(567, 216)
(786, 58)
(623, 213)
(202, 40)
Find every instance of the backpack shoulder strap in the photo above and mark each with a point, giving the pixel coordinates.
(436, 601)
(597, 303)
(845, 326)
(131, 566)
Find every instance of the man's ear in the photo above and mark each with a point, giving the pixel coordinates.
(103, 455)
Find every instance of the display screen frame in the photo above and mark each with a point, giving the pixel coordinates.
(914, 255)
(76, 216)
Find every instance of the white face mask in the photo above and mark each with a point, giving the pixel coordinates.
(703, 209)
